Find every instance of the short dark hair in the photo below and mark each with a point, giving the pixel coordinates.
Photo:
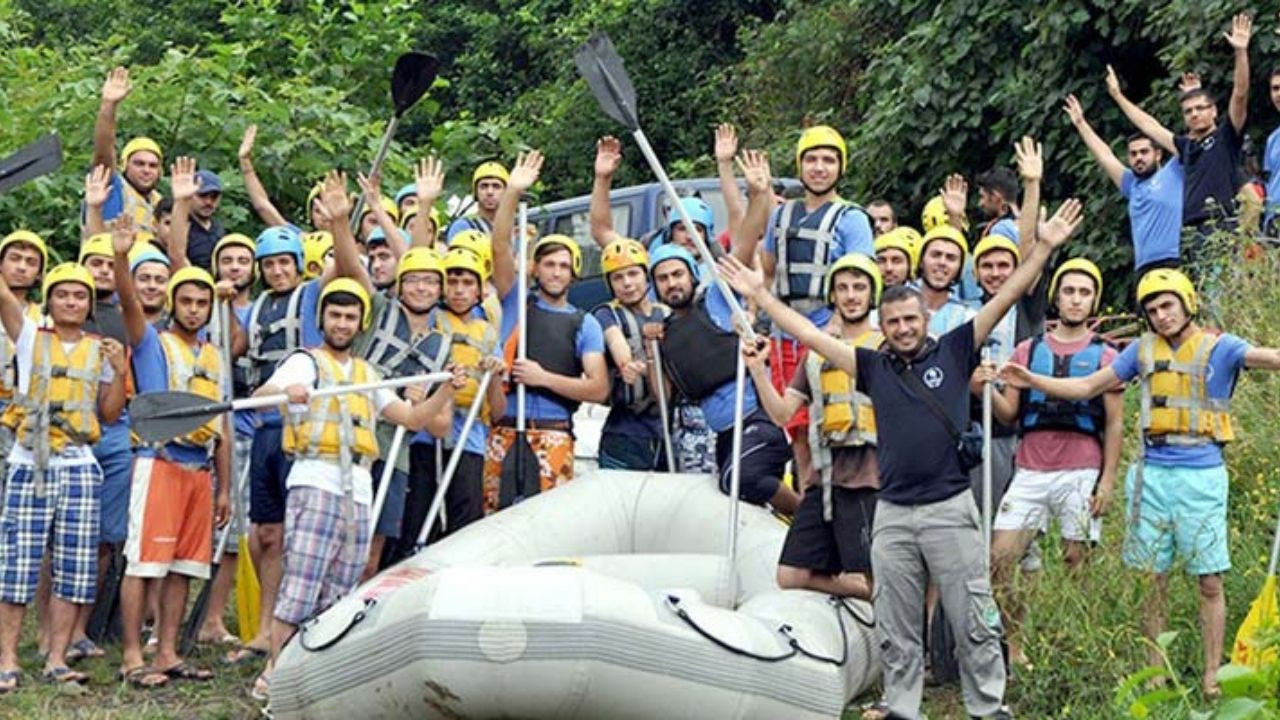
(1197, 93)
(898, 293)
(1139, 136)
(1275, 70)
(164, 207)
(881, 202)
(341, 299)
(1002, 180)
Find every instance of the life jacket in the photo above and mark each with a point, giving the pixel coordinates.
(1041, 412)
(275, 331)
(467, 341)
(552, 343)
(396, 350)
(806, 245)
(475, 222)
(336, 427)
(61, 405)
(1175, 408)
(839, 415)
(698, 355)
(139, 207)
(195, 373)
(8, 373)
(638, 397)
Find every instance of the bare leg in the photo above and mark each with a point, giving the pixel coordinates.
(1153, 616)
(214, 629)
(133, 593)
(856, 585)
(1213, 620)
(785, 500)
(375, 555)
(10, 629)
(270, 565)
(43, 586)
(62, 618)
(173, 602)
(1007, 548)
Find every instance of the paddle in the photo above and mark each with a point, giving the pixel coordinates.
(662, 405)
(735, 474)
(600, 66)
(442, 486)
(986, 463)
(161, 416)
(412, 76)
(1262, 613)
(520, 476)
(35, 159)
(103, 624)
(384, 482)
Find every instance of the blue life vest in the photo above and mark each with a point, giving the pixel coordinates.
(395, 351)
(1040, 412)
(275, 332)
(805, 245)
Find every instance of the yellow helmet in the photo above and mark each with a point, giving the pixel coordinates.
(489, 169)
(68, 272)
(462, 259)
(190, 274)
(30, 238)
(1162, 280)
(1079, 265)
(236, 240)
(822, 136)
(991, 243)
(860, 263)
(387, 204)
(566, 242)
(315, 245)
(623, 253)
(947, 233)
(418, 259)
(934, 214)
(478, 243)
(97, 244)
(346, 285)
(139, 144)
(900, 239)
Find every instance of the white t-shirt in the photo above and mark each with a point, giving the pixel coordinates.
(300, 369)
(24, 359)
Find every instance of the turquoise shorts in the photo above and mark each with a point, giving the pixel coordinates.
(1182, 516)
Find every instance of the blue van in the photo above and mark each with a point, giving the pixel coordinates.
(637, 210)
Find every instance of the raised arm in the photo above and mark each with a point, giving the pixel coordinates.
(523, 175)
(781, 408)
(608, 158)
(1031, 170)
(97, 186)
(335, 203)
(111, 395)
(1148, 125)
(754, 165)
(371, 187)
(1238, 38)
(749, 282)
(428, 182)
(1101, 151)
(114, 91)
(135, 322)
(12, 311)
(726, 148)
(253, 186)
(1262, 358)
(185, 184)
(955, 195)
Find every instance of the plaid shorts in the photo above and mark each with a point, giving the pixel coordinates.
(64, 519)
(317, 573)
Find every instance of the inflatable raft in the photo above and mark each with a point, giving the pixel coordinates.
(608, 597)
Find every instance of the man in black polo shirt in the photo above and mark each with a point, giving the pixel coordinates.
(205, 230)
(927, 525)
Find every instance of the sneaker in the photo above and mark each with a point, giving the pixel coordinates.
(1002, 714)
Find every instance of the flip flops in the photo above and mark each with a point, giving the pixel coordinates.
(244, 655)
(9, 680)
(82, 649)
(144, 677)
(63, 676)
(185, 671)
(261, 690)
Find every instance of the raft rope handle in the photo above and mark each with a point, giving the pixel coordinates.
(355, 620)
(871, 624)
(836, 604)
(673, 602)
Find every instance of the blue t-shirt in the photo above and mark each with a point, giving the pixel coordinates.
(719, 405)
(1225, 363)
(950, 316)
(621, 419)
(466, 223)
(151, 374)
(589, 339)
(1155, 213)
(852, 234)
(1271, 164)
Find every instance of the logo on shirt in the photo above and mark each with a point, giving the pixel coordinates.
(933, 377)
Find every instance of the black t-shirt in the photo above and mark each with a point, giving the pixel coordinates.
(1212, 166)
(200, 243)
(918, 459)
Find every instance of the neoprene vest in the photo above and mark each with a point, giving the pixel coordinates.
(698, 355)
(806, 246)
(638, 397)
(275, 331)
(1176, 409)
(1041, 412)
(395, 351)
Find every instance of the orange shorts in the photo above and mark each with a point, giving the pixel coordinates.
(553, 449)
(785, 356)
(170, 520)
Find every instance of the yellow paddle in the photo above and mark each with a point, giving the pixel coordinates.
(1262, 614)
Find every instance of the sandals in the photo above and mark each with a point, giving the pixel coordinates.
(82, 649)
(63, 676)
(225, 639)
(9, 680)
(244, 655)
(185, 671)
(143, 677)
(261, 690)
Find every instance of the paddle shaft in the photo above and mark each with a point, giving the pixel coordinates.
(522, 312)
(986, 464)
(283, 399)
(735, 476)
(438, 501)
(378, 158)
(662, 405)
(707, 258)
(384, 482)
(1275, 549)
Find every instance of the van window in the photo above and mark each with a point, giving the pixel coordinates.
(578, 226)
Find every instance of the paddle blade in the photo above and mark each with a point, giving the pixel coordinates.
(598, 63)
(195, 620)
(1262, 614)
(412, 77)
(247, 593)
(520, 478)
(162, 416)
(38, 158)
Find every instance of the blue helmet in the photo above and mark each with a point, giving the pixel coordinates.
(700, 212)
(406, 191)
(378, 237)
(280, 240)
(667, 251)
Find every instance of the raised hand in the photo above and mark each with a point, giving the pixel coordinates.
(726, 143)
(113, 352)
(754, 165)
(1075, 112)
(97, 186)
(1030, 157)
(1063, 223)
(608, 156)
(334, 198)
(183, 181)
(1189, 81)
(955, 193)
(525, 173)
(428, 179)
(1113, 83)
(1241, 31)
(746, 281)
(372, 188)
(117, 86)
(246, 142)
(122, 234)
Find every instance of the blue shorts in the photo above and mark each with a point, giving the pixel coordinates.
(269, 467)
(1182, 515)
(620, 451)
(115, 456)
(393, 507)
(64, 519)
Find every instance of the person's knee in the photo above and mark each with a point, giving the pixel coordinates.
(1073, 555)
(270, 536)
(1210, 587)
(793, 578)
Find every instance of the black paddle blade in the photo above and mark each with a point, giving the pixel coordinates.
(598, 63)
(520, 477)
(412, 77)
(162, 416)
(195, 620)
(38, 158)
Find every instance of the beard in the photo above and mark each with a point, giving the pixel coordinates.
(192, 329)
(854, 319)
(818, 190)
(339, 346)
(1072, 323)
(554, 295)
(1151, 170)
(678, 300)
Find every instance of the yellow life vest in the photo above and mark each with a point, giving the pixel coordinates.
(468, 341)
(61, 406)
(1176, 409)
(839, 415)
(138, 206)
(335, 427)
(8, 379)
(200, 374)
